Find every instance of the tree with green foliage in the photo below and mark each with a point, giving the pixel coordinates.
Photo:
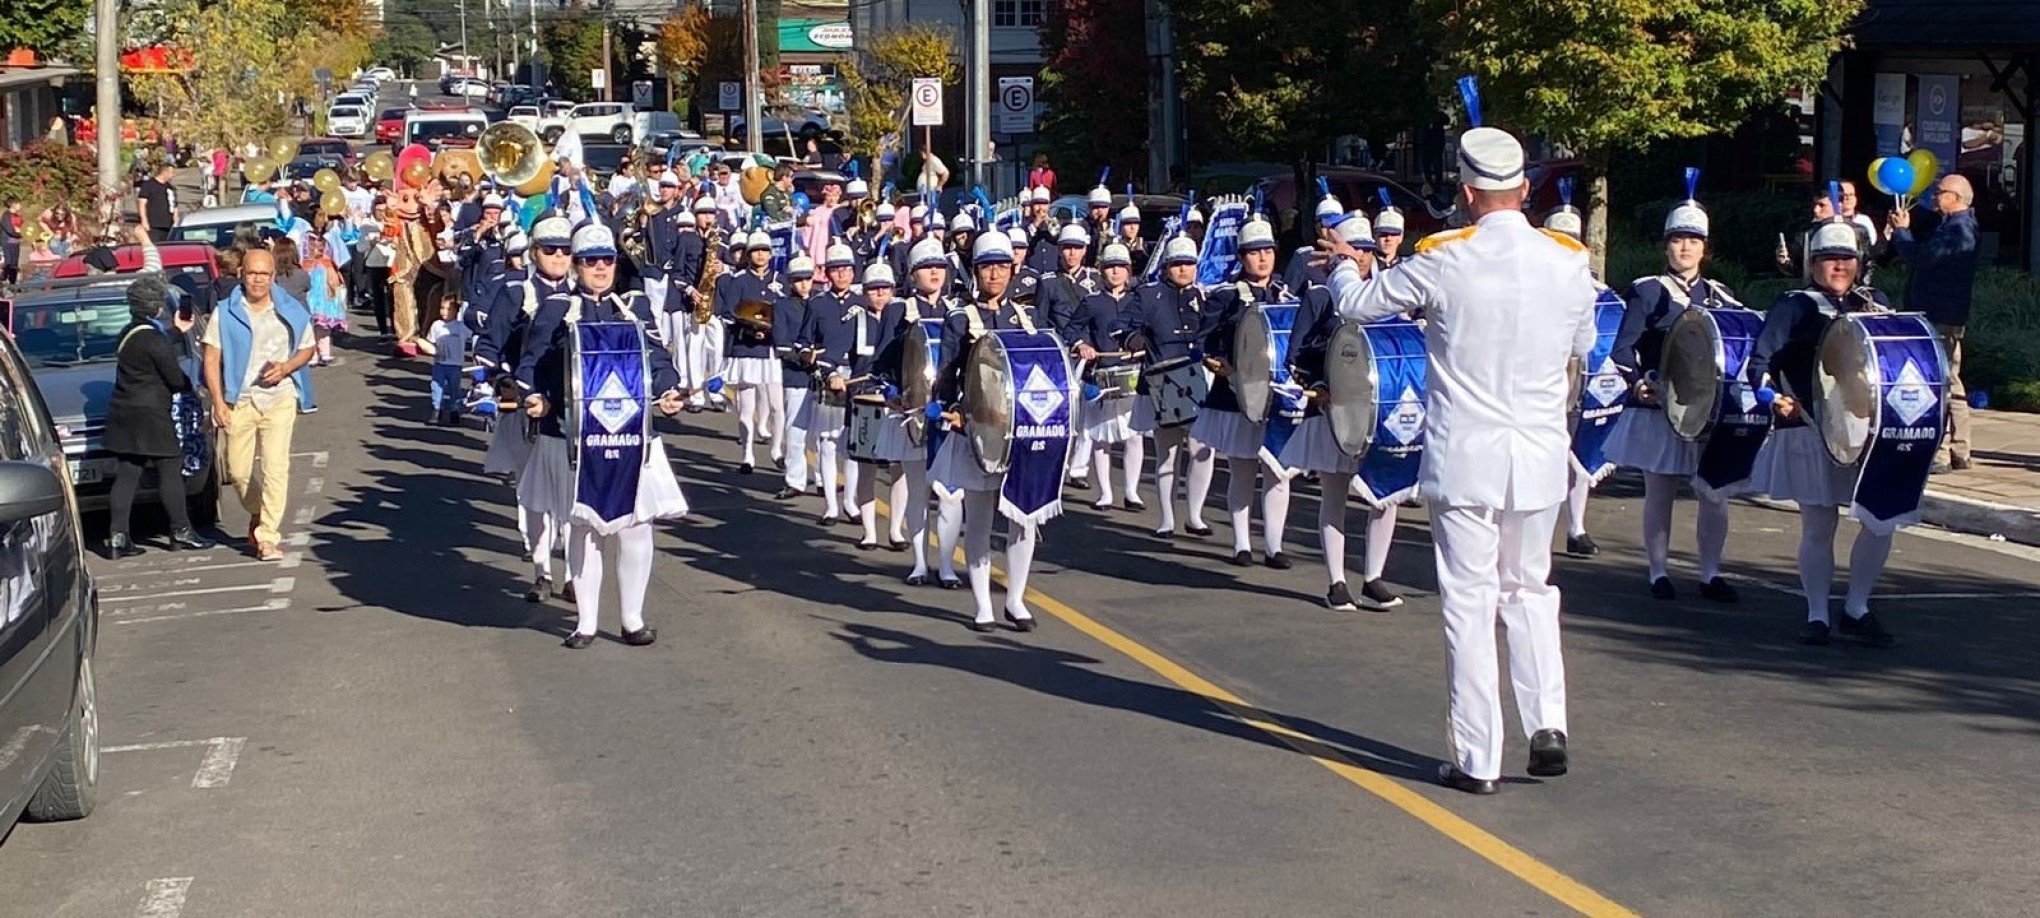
(42, 26)
(250, 60)
(1604, 77)
(877, 83)
(406, 43)
(572, 41)
(1094, 85)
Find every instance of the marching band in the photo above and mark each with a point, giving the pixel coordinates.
(991, 359)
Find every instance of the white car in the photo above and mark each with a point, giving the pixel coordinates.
(607, 120)
(381, 74)
(472, 89)
(549, 124)
(352, 100)
(347, 121)
(436, 129)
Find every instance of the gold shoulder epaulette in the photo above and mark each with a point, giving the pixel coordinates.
(1445, 237)
(1571, 244)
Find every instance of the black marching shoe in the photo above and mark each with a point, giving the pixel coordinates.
(567, 591)
(1662, 588)
(1338, 599)
(786, 494)
(745, 469)
(578, 641)
(1077, 484)
(188, 539)
(984, 627)
(540, 589)
(951, 583)
(1547, 754)
(1867, 629)
(1452, 777)
(1581, 546)
(896, 545)
(917, 579)
(1133, 505)
(1021, 622)
(1375, 594)
(1202, 532)
(1719, 590)
(1241, 559)
(640, 637)
(119, 546)
(1814, 634)
(829, 521)
(866, 546)
(1278, 561)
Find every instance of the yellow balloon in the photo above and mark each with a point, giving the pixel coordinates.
(258, 170)
(417, 174)
(380, 165)
(281, 148)
(333, 203)
(1926, 169)
(326, 180)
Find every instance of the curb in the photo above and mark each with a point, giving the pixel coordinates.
(1960, 514)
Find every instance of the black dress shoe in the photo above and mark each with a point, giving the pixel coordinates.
(578, 641)
(1662, 588)
(1814, 634)
(1278, 561)
(1022, 623)
(567, 591)
(1375, 594)
(1241, 559)
(1132, 505)
(641, 637)
(538, 592)
(896, 545)
(1719, 590)
(786, 494)
(744, 469)
(188, 540)
(1165, 534)
(1581, 545)
(952, 584)
(984, 627)
(119, 546)
(1077, 484)
(1547, 754)
(829, 520)
(1867, 629)
(866, 546)
(1452, 777)
(917, 580)
(1202, 532)
(1338, 599)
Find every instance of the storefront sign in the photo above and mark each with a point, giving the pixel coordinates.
(1937, 125)
(1888, 114)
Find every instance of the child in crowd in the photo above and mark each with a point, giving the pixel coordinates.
(447, 341)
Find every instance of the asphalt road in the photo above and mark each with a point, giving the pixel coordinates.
(380, 726)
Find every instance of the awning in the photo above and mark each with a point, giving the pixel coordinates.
(155, 59)
(17, 77)
(814, 36)
(1977, 25)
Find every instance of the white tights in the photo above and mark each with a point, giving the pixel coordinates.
(979, 509)
(1659, 491)
(630, 552)
(1202, 462)
(1170, 445)
(1239, 501)
(831, 471)
(1576, 504)
(760, 408)
(864, 485)
(541, 535)
(1101, 459)
(1817, 562)
(1331, 522)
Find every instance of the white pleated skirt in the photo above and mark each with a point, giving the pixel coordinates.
(819, 418)
(753, 371)
(956, 468)
(1643, 440)
(508, 450)
(1110, 420)
(1313, 449)
(893, 444)
(1228, 433)
(547, 485)
(1142, 418)
(1794, 465)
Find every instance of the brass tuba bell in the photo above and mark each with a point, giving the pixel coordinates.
(510, 153)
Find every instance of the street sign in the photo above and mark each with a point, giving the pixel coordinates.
(927, 102)
(729, 95)
(597, 79)
(1016, 105)
(641, 94)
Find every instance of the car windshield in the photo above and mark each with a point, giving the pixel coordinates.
(393, 114)
(217, 235)
(323, 148)
(71, 332)
(346, 111)
(438, 130)
(604, 158)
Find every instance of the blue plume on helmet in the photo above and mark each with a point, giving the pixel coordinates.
(1260, 199)
(1105, 175)
(977, 192)
(1381, 191)
(1835, 195)
(1692, 182)
(1565, 186)
(1324, 187)
(1469, 93)
(851, 167)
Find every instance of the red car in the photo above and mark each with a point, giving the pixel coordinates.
(390, 125)
(189, 266)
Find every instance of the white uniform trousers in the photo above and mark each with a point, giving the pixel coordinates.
(655, 297)
(797, 440)
(1498, 562)
(698, 355)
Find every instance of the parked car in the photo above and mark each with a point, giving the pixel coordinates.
(519, 94)
(49, 625)
(305, 165)
(662, 143)
(69, 333)
(390, 125)
(330, 147)
(438, 129)
(1155, 210)
(1355, 188)
(810, 123)
(603, 160)
(356, 99)
(347, 121)
(190, 265)
(609, 120)
(216, 227)
(547, 127)
(471, 89)
(381, 74)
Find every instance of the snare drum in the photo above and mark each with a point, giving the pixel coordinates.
(1178, 387)
(1701, 369)
(868, 417)
(1117, 381)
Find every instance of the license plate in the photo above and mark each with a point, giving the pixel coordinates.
(90, 471)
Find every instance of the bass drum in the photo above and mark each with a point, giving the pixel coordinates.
(1863, 363)
(991, 392)
(1354, 358)
(920, 360)
(1260, 357)
(1703, 355)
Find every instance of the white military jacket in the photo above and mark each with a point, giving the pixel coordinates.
(1506, 306)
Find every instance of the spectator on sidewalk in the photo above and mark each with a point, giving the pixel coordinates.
(257, 351)
(1791, 253)
(156, 202)
(41, 260)
(1041, 175)
(139, 429)
(1943, 276)
(10, 241)
(447, 341)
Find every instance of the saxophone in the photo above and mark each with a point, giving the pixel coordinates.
(711, 269)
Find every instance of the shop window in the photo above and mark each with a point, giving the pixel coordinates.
(1021, 13)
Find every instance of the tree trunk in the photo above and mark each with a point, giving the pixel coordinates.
(1597, 219)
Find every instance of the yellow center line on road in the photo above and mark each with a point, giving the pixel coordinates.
(1547, 879)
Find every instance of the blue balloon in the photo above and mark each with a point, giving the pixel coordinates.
(800, 198)
(934, 411)
(1895, 176)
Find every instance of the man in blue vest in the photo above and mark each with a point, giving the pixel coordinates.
(257, 349)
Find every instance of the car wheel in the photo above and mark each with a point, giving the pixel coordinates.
(72, 788)
(205, 505)
(620, 135)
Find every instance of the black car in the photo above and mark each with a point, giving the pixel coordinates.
(305, 165)
(49, 617)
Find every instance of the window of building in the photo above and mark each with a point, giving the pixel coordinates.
(1022, 13)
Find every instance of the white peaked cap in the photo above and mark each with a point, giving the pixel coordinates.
(1565, 220)
(1037, 195)
(758, 240)
(1490, 159)
(800, 266)
(1257, 234)
(925, 253)
(962, 223)
(1686, 219)
(1129, 214)
(594, 239)
(839, 255)
(1390, 220)
(515, 242)
(1196, 216)
(1834, 239)
(1115, 255)
(885, 210)
(857, 188)
(1100, 196)
(1356, 231)
(991, 248)
(1073, 235)
(878, 275)
(1018, 236)
(1329, 206)
(704, 205)
(1179, 250)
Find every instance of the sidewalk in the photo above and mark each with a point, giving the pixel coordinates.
(2000, 493)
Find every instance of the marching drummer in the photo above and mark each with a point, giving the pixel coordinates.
(925, 306)
(1026, 287)
(498, 349)
(829, 340)
(955, 467)
(1643, 438)
(860, 377)
(1060, 295)
(798, 368)
(1795, 464)
(1583, 477)
(1312, 264)
(1108, 419)
(1167, 322)
(752, 370)
(1313, 448)
(599, 539)
(1221, 428)
(789, 314)
(1129, 237)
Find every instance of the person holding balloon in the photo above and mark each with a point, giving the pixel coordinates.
(1942, 280)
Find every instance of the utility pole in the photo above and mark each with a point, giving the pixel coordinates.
(106, 84)
(1164, 108)
(754, 128)
(977, 87)
(608, 84)
(531, 8)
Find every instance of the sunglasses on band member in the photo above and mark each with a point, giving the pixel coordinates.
(598, 260)
(554, 250)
